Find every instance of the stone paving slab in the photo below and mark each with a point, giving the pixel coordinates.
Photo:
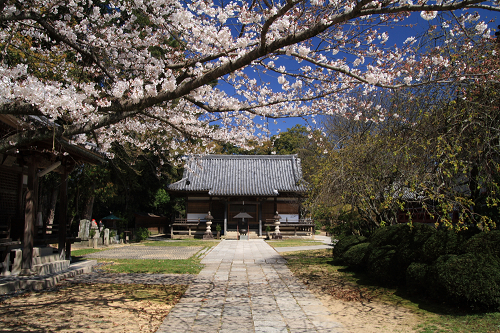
(147, 252)
(246, 287)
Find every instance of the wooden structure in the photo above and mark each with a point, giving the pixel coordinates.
(154, 223)
(227, 185)
(21, 223)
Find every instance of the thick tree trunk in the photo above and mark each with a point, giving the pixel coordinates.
(89, 205)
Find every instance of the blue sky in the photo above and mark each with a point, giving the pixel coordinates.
(397, 35)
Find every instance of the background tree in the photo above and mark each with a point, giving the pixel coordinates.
(438, 150)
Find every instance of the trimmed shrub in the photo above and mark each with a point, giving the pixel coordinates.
(390, 235)
(406, 241)
(346, 243)
(443, 242)
(382, 264)
(416, 277)
(410, 248)
(471, 280)
(355, 257)
(484, 242)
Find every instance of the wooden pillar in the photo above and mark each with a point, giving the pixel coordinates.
(63, 214)
(225, 217)
(259, 207)
(29, 218)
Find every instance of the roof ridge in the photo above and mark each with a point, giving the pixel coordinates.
(291, 156)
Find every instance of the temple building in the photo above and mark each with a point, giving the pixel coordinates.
(226, 185)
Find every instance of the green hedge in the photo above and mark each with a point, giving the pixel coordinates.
(346, 243)
(471, 280)
(462, 268)
(355, 257)
(485, 242)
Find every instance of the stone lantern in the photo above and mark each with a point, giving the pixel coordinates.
(208, 233)
(277, 234)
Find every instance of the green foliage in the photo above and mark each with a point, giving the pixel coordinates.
(142, 234)
(355, 256)
(471, 280)
(392, 235)
(445, 163)
(348, 222)
(382, 265)
(443, 242)
(291, 141)
(92, 233)
(346, 243)
(417, 277)
(485, 243)
(461, 267)
(218, 228)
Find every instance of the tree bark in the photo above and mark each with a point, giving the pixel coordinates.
(89, 206)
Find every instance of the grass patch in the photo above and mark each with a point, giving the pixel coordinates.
(82, 252)
(183, 242)
(149, 266)
(317, 269)
(293, 242)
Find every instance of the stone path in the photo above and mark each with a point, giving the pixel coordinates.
(148, 252)
(246, 287)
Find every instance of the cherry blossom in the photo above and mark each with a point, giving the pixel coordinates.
(156, 73)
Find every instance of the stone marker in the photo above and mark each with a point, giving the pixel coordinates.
(83, 231)
(106, 237)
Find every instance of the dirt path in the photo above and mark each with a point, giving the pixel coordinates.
(355, 307)
(90, 308)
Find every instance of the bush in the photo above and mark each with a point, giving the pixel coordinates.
(471, 280)
(416, 277)
(391, 235)
(383, 266)
(346, 243)
(441, 243)
(355, 257)
(142, 234)
(484, 242)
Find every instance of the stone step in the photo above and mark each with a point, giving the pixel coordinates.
(45, 259)
(44, 282)
(234, 235)
(51, 267)
(43, 251)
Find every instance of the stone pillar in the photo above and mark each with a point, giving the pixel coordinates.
(93, 240)
(208, 233)
(277, 234)
(106, 237)
(83, 231)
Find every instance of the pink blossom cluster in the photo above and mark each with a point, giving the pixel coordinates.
(155, 73)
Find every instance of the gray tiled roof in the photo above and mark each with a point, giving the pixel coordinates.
(260, 175)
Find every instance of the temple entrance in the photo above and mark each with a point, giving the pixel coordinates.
(252, 224)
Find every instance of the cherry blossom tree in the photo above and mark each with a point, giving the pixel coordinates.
(139, 71)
